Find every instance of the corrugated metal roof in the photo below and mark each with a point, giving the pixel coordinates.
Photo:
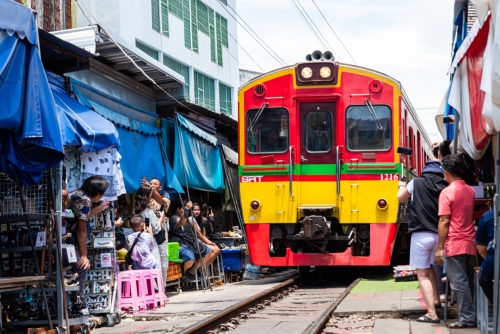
(95, 40)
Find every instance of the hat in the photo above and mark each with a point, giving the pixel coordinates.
(433, 166)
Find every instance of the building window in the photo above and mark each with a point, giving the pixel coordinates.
(155, 13)
(204, 91)
(153, 53)
(225, 102)
(197, 16)
(181, 69)
(164, 18)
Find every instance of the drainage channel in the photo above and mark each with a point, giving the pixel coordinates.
(285, 308)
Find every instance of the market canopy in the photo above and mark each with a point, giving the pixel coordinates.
(81, 126)
(30, 133)
(140, 147)
(197, 158)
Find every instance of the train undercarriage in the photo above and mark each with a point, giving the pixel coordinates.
(316, 234)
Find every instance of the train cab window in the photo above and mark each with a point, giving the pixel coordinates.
(369, 128)
(267, 130)
(318, 131)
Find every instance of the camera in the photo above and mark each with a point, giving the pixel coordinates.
(435, 151)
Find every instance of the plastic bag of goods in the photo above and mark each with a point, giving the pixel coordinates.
(251, 272)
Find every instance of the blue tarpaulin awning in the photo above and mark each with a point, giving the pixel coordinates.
(140, 143)
(197, 157)
(142, 156)
(30, 133)
(81, 126)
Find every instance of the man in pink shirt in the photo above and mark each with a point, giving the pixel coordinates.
(456, 239)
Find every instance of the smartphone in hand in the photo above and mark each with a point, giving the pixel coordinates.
(162, 207)
(146, 222)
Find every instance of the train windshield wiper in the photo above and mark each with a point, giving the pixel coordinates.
(374, 115)
(257, 116)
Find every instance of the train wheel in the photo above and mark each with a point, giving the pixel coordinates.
(304, 270)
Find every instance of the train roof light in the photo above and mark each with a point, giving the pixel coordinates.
(325, 72)
(306, 73)
(316, 73)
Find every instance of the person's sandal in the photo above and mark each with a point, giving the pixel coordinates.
(459, 324)
(426, 318)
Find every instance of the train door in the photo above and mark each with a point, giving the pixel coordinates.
(317, 156)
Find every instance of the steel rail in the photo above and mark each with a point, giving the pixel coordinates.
(318, 325)
(225, 315)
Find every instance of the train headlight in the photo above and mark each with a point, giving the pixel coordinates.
(325, 72)
(254, 205)
(306, 73)
(382, 204)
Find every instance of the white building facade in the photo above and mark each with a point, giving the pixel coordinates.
(194, 38)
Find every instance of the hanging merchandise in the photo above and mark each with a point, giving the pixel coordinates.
(104, 163)
(72, 166)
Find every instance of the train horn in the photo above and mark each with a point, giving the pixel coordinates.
(316, 55)
(328, 56)
(308, 57)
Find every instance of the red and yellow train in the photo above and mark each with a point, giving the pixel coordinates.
(318, 164)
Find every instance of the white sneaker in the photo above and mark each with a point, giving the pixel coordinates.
(442, 298)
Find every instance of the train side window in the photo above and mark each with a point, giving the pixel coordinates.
(267, 130)
(367, 130)
(318, 131)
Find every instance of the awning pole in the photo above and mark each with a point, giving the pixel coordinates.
(233, 197)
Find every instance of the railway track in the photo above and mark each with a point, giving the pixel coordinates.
(302, 305)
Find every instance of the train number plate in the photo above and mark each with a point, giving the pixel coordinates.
(389, 177)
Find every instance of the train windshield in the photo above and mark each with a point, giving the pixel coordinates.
(267, 130)
(369, 129)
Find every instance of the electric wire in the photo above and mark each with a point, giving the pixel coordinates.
(245, 51)
(334, 32)
(319, 31)
(270, 51)
(308, 24)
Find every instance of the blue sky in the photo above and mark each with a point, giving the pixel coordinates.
(407, 39)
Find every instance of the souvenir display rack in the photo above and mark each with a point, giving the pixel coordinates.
(100, 289)
(31, 284)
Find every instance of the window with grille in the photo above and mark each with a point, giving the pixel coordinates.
(196, 16)
(204, 91)
(181, 69)
(225, 104)
(153, 53)
(155, 13)
(164, 18)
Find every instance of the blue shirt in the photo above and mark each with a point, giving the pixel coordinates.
(484, 236)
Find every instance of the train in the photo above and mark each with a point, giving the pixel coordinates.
(319, 165)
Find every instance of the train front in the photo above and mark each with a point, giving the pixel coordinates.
(318, 166)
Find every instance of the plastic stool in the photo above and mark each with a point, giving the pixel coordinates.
(148, 284)
(130, 291)
(159, 288)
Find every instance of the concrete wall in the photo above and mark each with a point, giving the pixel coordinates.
(132, 20)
